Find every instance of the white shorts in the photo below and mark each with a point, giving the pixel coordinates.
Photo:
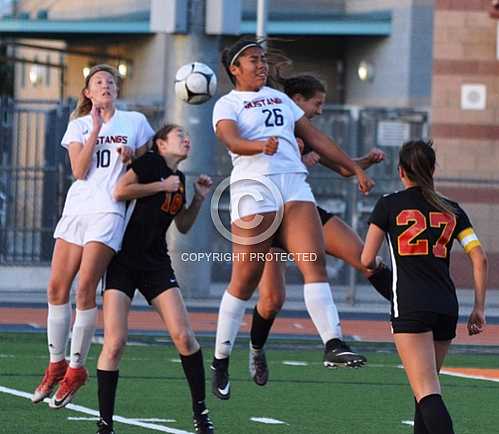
(267, 193)
(106, 228)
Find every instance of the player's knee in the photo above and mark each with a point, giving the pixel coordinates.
(57, 293)
(184, 341)
(85, 298)
(243, 288)
(271, 306)
(113, 348)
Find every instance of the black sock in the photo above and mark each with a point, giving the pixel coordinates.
(382, 281)
(260, 329)
(419, 426)
(194, 373)
(107, 384)
(220, 363)
(435, 415)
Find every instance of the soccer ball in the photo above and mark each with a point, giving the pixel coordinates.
(195, 83)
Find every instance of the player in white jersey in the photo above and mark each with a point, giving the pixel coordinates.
(100, 141)
(268, 182)
(340, 241)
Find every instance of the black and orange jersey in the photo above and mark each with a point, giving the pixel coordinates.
(144, 243)
(419, 240)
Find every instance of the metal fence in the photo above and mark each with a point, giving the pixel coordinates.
(33, 179)
(35, 176)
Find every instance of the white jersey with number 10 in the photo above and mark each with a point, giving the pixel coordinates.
(94, 193)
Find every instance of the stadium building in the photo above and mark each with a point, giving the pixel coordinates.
(395, 69)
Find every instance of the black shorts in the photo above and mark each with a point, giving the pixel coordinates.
(150, 283)
(324, 215)
(443, 326)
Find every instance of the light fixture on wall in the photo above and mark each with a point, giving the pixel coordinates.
(123, 69)
(85, 71)
(35, 75)
(365, 71)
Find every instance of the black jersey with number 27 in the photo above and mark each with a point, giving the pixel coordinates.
(420, 238)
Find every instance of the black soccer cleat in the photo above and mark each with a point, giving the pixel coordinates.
(258, 368)
(203, 424)
(104, 428)
(338, 353)
(220, 385)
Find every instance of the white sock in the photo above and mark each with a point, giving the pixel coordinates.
(83, 332)
(230, 316)
(322, 310)
(58, 326)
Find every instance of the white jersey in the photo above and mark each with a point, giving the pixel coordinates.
(94, 193)
(260, 115)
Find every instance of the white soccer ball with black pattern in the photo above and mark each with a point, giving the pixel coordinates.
(195, 83)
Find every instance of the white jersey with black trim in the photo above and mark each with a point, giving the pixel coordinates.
(260, 115)
(94, 193)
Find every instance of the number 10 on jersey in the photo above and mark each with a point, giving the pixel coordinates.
(103, 158)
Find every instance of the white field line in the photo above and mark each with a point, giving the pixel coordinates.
(472, 377)
(153, 419)
(408, 422)
(268, 421)
(294, 363)
(90, 412)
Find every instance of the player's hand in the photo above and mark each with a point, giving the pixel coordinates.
(365, 183)
(97, 119)
(126, 154)
(270, 146)
(311, 158)
(375, 156)
(202, 185)
(170, 184)
(476, 322)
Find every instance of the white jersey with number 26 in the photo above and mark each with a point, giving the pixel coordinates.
(94, 193)
(260, 115)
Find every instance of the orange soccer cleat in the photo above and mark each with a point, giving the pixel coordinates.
(53, 375)
(72, 381)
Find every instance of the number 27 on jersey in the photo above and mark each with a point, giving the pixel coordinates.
(407, 243)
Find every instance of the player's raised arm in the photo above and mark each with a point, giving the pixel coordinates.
(187, 215)
(323, 145)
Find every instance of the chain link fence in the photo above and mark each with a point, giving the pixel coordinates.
(35, 175)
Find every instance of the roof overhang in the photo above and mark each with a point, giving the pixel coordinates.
(368, 24)
(64, 28)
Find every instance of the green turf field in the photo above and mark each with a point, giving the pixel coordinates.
(307, 399)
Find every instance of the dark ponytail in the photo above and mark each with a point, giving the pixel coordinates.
(304, 84)
(418, 159)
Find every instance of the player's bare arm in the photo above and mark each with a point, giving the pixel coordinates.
(374, 239)
(129, 187)
(323, 145)
(228, 134)
(476, 321)
(374, 156)
(187, 216)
